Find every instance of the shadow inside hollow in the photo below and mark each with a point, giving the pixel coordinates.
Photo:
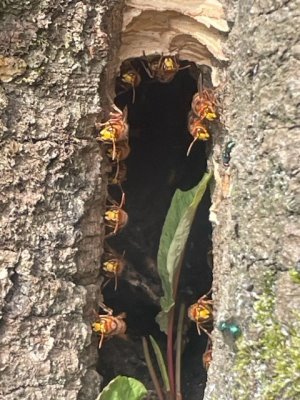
(156, 167)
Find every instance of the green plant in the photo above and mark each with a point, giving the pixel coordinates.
(171, 251)
(123, 387)
(295, 275)
(270, 365)
(173, 240)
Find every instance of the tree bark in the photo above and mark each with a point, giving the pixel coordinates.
(257, 213)
(56, 60)
(53, 58)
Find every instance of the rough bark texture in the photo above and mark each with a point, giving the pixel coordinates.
(257, 230)
(52, 195)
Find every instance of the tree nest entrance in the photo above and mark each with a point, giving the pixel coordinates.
(156, 166)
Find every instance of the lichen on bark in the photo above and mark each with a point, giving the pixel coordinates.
(256, 231)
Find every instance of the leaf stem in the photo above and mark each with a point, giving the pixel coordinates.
(179, 351)
(170, 355)
(161, 364)
(152, 370)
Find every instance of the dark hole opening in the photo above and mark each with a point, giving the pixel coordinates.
(156, 167)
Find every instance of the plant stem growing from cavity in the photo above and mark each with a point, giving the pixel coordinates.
(152, 370)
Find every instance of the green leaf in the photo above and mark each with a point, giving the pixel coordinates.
(122, 388)
(173, 239)
(161, 364)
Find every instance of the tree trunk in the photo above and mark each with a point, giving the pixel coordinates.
(57, 58)
(54, 54)
(257, 236)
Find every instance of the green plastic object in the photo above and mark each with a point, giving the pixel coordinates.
(231, 328)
